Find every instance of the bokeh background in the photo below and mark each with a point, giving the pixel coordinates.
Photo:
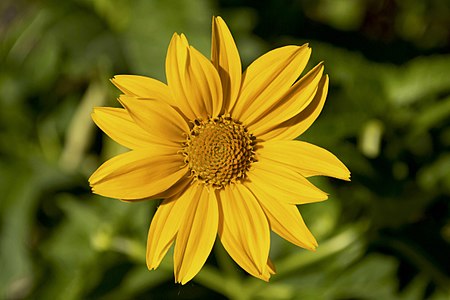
(384, 235)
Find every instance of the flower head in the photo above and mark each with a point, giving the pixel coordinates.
(217, 145)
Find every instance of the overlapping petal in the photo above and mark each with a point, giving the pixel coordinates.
(292, 128)
(165, 225)
(305, 158)
(143, 87)
(202, 85)
(193, 80)
(176, 61)
(244, 230)
(118, 125)
(196, 235)
(159, 119)
(138, 173)
(267, 79)
(284, 219)
(177, 188)
(296, 99)
(288, 185)
(271, 267)
(225, 58)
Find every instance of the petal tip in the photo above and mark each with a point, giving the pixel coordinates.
(218, 19)
(181, 281)
(184, 40)
(93, 180)
(152, 264)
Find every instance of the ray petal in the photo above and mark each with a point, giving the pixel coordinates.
(295, 126)
(177, 188)
(139, 173)
(158, 118)
(176, 64)
(244, 230)
(284, 219)
(143, 87)
(196, 235)
(225, 58)
(305, 158)
(118, 125)
(165, 225)
(202, 86)
(288, 185)
(267, 79)
(271, 267)
(296, 99)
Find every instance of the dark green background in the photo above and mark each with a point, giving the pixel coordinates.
(384, 235)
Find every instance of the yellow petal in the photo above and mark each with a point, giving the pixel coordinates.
(196, 234)
(297, 98)
(202, 86)
(295, 126)
(177, 188)
(129, 157)
(284, 219)
(158, 118)
(165, 225)
(118, 125)
(271, 267)
(143, 87)
(176, 61)
(280, 180)
(267, 79)
(225, 58)
(139, 173)
(305, 158)
(244, 230)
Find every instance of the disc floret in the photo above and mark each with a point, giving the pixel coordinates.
(219, 151)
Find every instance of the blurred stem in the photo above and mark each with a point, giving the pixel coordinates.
(130, 247)
(211, 278)
(227, 283)
(81, 127)
(330, 247)
(225, 262)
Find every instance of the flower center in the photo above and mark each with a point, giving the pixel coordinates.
(219, 151)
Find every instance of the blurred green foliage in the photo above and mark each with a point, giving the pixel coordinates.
(384, 235)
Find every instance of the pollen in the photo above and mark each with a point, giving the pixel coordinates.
(219, 151)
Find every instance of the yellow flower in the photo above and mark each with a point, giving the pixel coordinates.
(217, 145)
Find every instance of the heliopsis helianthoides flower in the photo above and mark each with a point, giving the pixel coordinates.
(217, 145)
